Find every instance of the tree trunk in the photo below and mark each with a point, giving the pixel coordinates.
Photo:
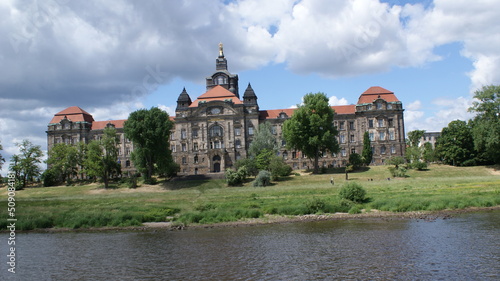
(316, 161)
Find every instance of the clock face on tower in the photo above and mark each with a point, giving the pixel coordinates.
(215, 110)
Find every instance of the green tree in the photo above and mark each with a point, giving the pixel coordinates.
(2, 160)
(149, 130)
(397, 170)
(102, 157)
(414, 137)
(263, 159)
(455, 145)
(486, 124)
(355, 160)
(367, 153)
(63, 162)
(311, 129)
(25, 165)
(262, 140)
(429, 154)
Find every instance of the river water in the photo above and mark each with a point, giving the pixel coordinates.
(465, 247)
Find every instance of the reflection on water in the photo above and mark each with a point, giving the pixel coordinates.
(466, 247)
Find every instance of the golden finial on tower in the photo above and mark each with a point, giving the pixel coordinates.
(221, 51)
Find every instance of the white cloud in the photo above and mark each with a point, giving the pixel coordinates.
(169, 109)
(444, 110)
(333, 100)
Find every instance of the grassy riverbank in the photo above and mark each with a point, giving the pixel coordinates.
(211, 201)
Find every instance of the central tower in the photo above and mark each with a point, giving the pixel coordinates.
(221, 76)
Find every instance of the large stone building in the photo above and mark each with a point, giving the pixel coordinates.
(213, 131)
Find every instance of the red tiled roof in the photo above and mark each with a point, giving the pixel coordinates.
(74, 114)
(344, 109)
(274, 113)
(376, 92)
(100, 125)
(217, 93)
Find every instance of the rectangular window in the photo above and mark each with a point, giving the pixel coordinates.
(294, 155)
(184, 147)
(194, 133)
(351, 138)
(382, 149)
(283, 142)
(372, 136)
(195, 146)
(370, 123)
(379, 105)
(171, 135)
(172, 147)
(380, 123)
(341, 125)
(237, 131)
(351, 125)
(183, 134)
(391, 135)
(184, 160)
(343, 152)
(250, 131)
(389, 106)
(342, 138)
(353, 150)
(274, 129)
(393, 149)
(382, 136)
(391, 122)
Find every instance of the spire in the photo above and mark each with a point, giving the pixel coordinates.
(221, 50)
(184, 100)
(249, 96)
(221, 62)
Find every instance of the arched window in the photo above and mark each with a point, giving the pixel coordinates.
(216, 158)
(215, 131)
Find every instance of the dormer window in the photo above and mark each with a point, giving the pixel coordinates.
(283, 115)
(379, 105)
(221, 80)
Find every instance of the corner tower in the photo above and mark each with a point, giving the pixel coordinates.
(222, 76)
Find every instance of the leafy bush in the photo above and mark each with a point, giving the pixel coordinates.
(419, 165)
(354, 210)
(50, 178)
(398, 172)
(249, 164)
(353, 191)
(355, 160)
(315, 205)
(234, 178)
(279, 168)
(262, 179)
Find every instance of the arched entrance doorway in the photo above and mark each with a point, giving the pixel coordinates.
(216, 163)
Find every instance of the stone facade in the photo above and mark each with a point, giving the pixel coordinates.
(214, 131)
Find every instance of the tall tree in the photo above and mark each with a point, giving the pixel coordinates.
(102, 157)
(149, 130)
(486, 124)
(2, 160)
(367, 153)
(455, 145)
(63, 161)
(263, 139)
(414, 137)
(429, 154)
(311, 129)
(25, 165)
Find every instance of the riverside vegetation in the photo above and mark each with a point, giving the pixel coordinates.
(212, 201)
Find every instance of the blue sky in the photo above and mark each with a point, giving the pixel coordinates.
(57, 53)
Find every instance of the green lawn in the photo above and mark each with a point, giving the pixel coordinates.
(210, 201)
